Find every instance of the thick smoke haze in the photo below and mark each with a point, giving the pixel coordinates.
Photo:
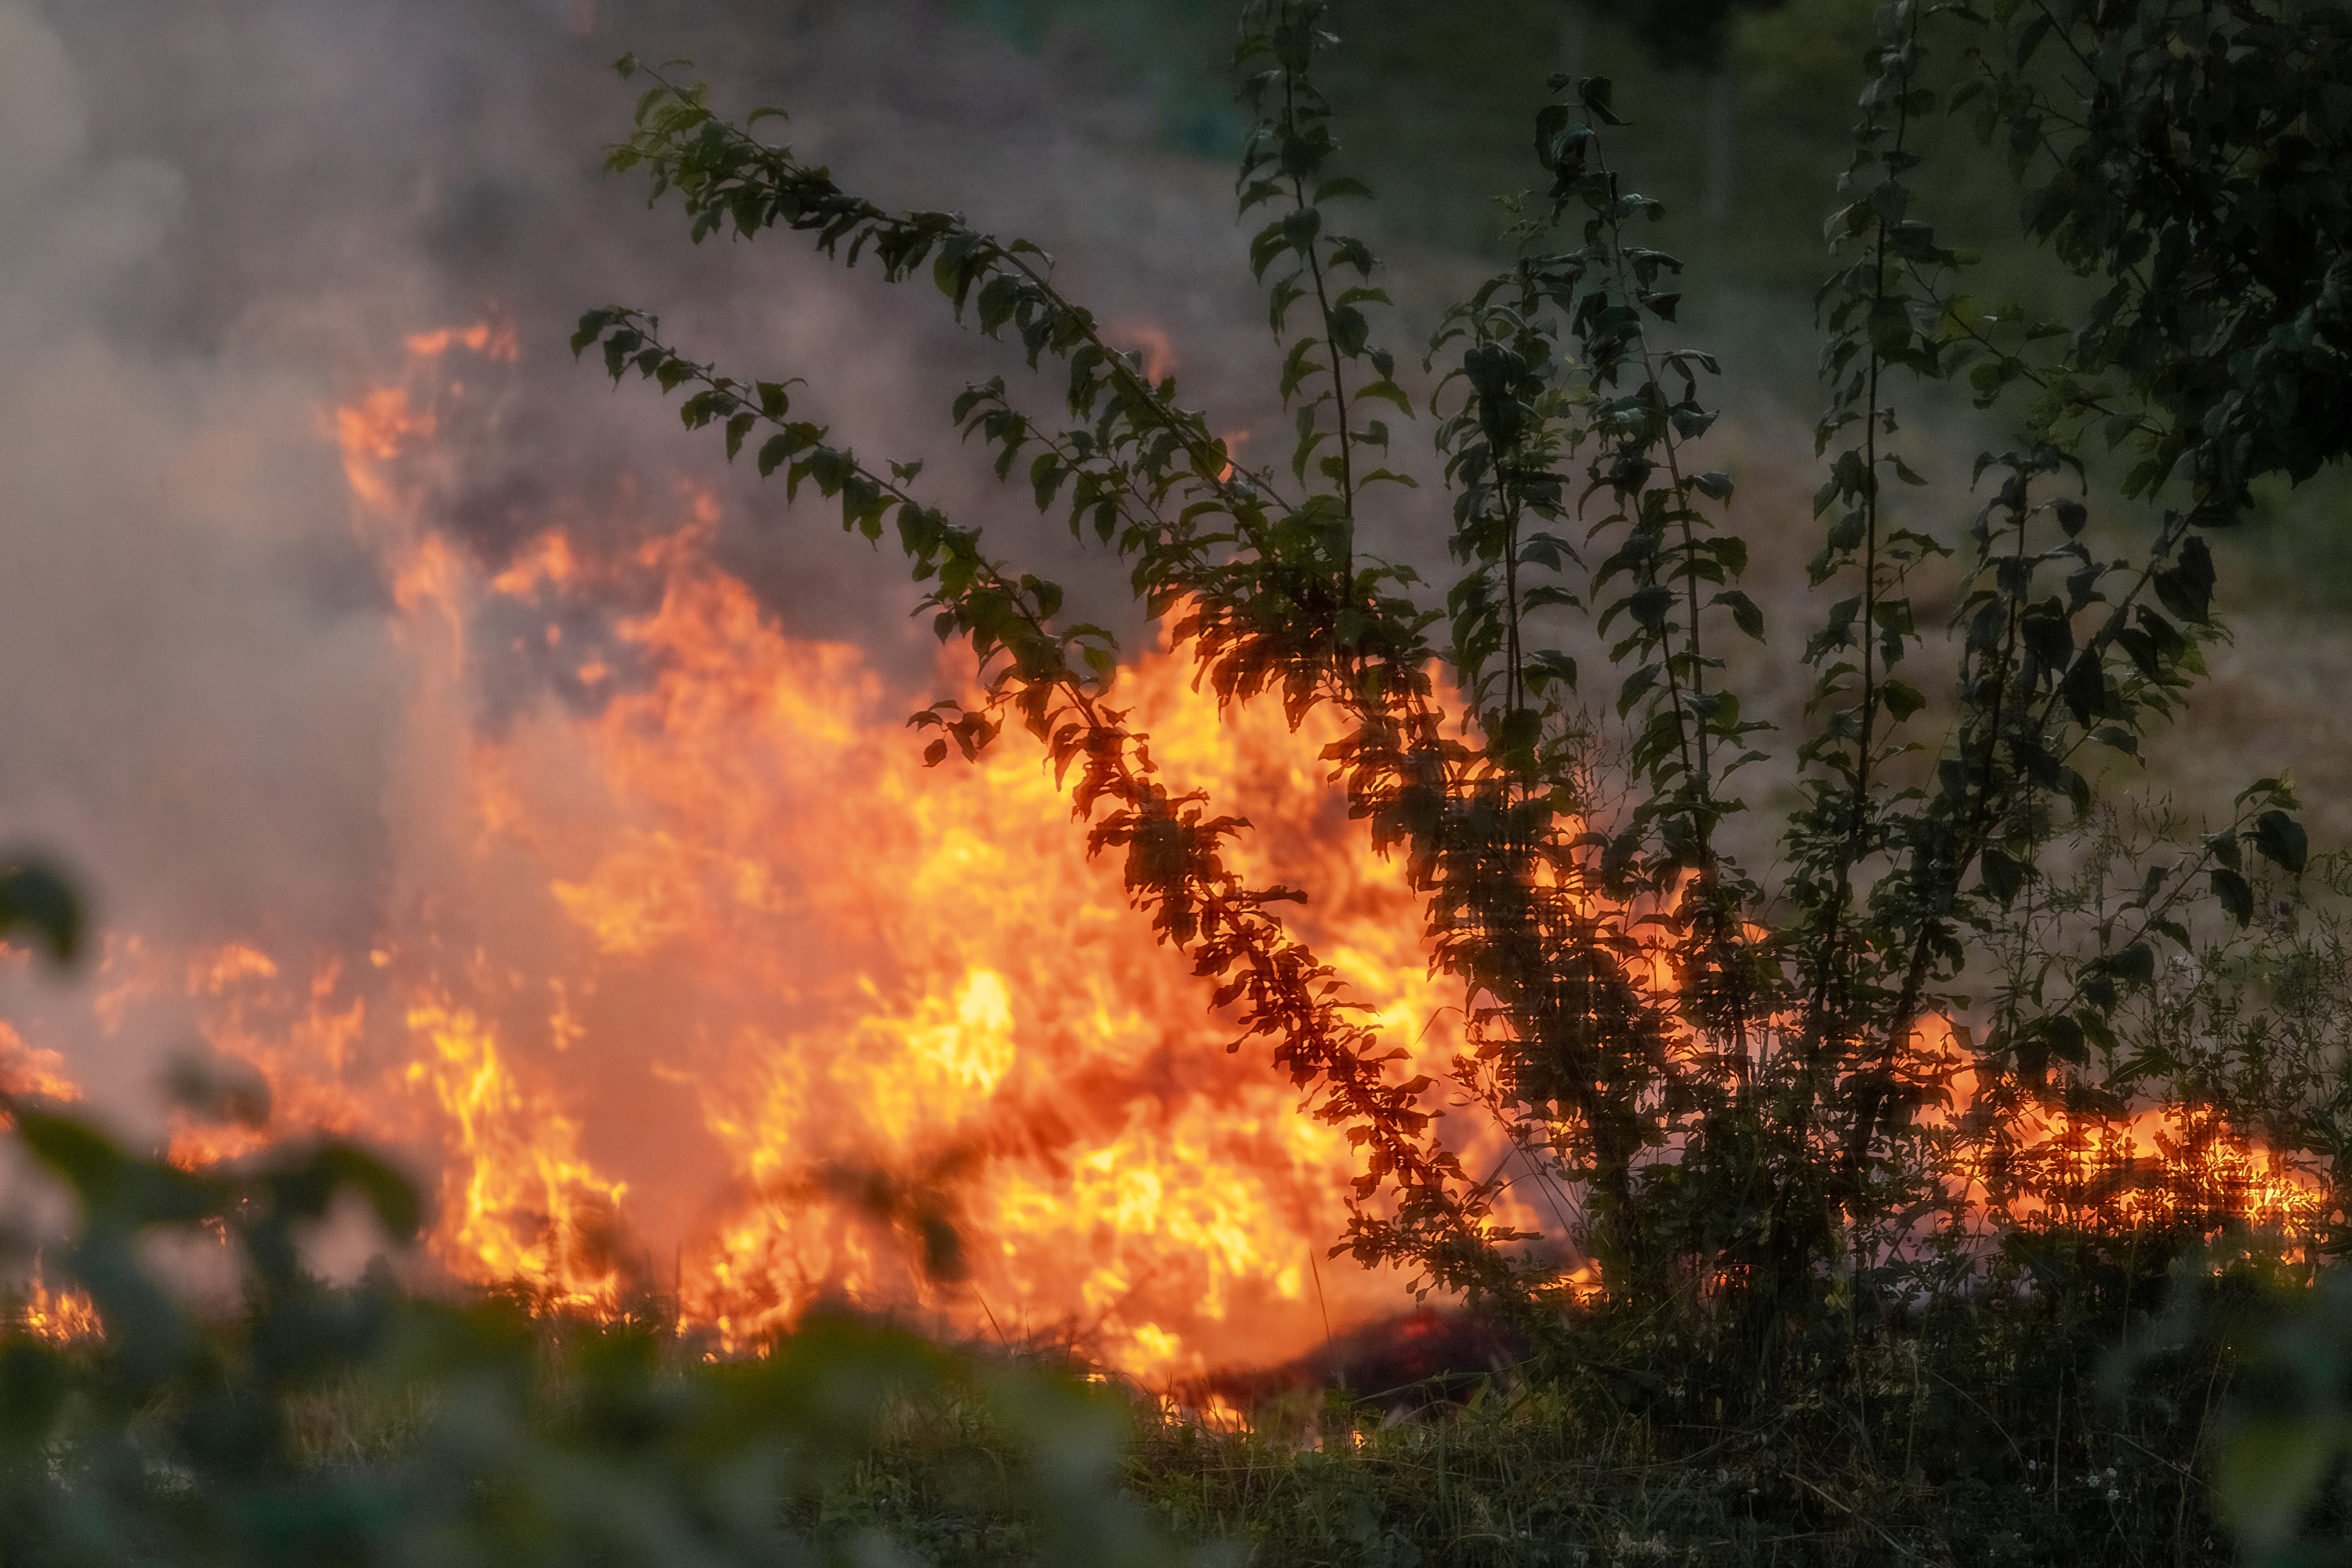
(220, 222)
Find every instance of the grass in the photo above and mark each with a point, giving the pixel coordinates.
(2062, 1406)
(1998, 1427)
(1567, 1472)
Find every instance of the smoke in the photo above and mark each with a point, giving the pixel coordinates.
(193, 716)
(222, 222)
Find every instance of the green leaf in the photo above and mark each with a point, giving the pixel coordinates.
(592, 327)
(1902, 698)
(2282, 841)
(1550, 664)
(2086, 688)
(116, 1188)
(776, 450)
(2003, 874)
(393, 1197)
(2187, 587)
(1890, 330)
(2236, 894)
(1595, 92)
(36, 1381)
(1744, 613)
(1636, 686)
(1349, 329)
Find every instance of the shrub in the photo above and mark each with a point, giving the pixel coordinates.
(1740, 1082)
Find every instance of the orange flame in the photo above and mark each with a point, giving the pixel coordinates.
(704, 985)
(496, 344)
(1149, 341)
(763, 993)
(2160, 1168)
(60, 1317)
(31, 1072)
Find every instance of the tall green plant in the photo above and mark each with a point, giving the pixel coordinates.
(1731, 1078)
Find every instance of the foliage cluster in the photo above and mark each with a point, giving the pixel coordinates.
(1731, 1075)
(1781, 1039)
(1979, 1443)
(360, 1425)
(1436, 113)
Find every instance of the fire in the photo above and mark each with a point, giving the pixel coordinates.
(373, 432)
(520, 1202)
(60, 1317)
(1150, 342)
(31, 1072)
(1037, 1073)
(2162, 1167)
(695, 982)
(496, 344)
(2042, 1166)
(701, 985)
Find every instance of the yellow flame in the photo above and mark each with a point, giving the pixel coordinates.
(886, 1002)
(519, 1203)
(62, 1317)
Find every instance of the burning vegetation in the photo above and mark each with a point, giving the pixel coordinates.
(714, 1009)
(772, 1014)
